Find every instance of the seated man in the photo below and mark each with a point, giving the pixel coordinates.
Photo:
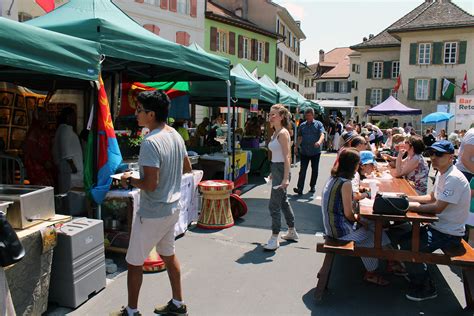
(450, 201)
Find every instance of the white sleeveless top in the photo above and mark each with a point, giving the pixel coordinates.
(275, 147)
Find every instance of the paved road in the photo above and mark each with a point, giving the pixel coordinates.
(228, 273)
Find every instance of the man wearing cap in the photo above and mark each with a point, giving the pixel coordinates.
(376, 134)
(450, 201)
(310, 138)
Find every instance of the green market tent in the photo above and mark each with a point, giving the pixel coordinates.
(284, 97)
(129, 46)
(268, 94)
(29, 54)
(299, 98)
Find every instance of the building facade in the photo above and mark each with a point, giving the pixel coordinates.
(433, 42)
(332, 75)
(307, 82)
(241, 41)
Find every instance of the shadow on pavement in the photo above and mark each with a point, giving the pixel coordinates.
(347, 293)
(257, 255)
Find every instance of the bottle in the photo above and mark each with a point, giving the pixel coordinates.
(373, 190)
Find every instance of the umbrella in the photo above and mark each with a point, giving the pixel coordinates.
(437, 117)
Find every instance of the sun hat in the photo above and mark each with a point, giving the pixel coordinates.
(442, 146)
(367, 157)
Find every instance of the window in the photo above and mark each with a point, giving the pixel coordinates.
(22, 16)
(395, 69)
(394, 93)
(343, 87)
(184, 7)
(376, 96)
(357, 69)
(294, 43)
(288, 39)
(450, 52)
(246, 48)
(378, 70)
(424, 53)
(222, 44)
(422, 89)
(330, 86)
(279, 58)
(260, 51)
(306, 83)
(153, 2)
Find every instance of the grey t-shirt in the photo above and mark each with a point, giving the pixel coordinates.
(164, 150)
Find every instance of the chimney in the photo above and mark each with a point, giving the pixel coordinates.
(321, 55)
(364, 39)
(371, 36)
(298, 23)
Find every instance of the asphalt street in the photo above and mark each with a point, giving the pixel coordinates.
(227, 272)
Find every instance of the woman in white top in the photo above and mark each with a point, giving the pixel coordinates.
(279, 145)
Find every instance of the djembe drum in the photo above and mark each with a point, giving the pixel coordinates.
(216, 212)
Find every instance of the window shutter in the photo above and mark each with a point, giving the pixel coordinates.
(267, 52)
(462, 52)
(323, 86)
(180, 37)
(385, 94)
(387, 69)
(231, 43)
(432, 89)
(437, 58)
(413, 53)
(163, 4)
(253, 49)
(240, 48)
(411, 89)
(369, 69)
(349, 86)
(353, 67)
(213, 39)
(193, 10)
(173, 5)
(368, 94)
(149, 27)
(336, 86)
(187, 38)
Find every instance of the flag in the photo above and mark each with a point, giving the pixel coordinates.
(46, 5)
(109, 156)
(464, 87)
(448, 89)
(398, 83)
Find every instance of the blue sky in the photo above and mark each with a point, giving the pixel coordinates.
(328, 24)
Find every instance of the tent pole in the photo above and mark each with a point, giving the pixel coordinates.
(228, 116)
(295, 132)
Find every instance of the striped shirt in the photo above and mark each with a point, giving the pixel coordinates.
(336, 225)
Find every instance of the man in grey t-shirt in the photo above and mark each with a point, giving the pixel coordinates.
(162, 161)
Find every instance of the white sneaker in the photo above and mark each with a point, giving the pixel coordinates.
(272, 244)
(291, 234)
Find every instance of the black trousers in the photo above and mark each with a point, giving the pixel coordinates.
(304, 167)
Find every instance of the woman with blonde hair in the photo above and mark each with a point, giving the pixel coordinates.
(279, 145)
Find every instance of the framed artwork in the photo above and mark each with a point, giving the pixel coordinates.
(20, 102)
(5, 114)
(6, 98)
(19, 118)
(17, 137)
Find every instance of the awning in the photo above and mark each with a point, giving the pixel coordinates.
(335, 104)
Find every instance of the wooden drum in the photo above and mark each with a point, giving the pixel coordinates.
(216, 212)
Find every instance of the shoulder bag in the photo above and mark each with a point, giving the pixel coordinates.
(390, 203)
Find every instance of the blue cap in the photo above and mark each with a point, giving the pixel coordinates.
(367, 157)
(442, 146)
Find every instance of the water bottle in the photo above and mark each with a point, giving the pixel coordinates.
(373, 190)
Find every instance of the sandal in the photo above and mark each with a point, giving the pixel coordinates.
(375, 278)
(396, 268)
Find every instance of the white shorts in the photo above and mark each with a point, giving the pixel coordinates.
(150, 232)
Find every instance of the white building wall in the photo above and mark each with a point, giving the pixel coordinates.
(280, 72)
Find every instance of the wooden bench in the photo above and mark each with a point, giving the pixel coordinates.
(462, 256)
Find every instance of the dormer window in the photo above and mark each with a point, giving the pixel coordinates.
(238, 12)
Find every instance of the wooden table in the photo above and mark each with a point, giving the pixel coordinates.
(401, 186)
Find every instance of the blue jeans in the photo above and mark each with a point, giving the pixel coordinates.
(430, 241)
(304, 167)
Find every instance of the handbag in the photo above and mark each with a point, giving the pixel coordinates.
(390, 203)
(11, 249)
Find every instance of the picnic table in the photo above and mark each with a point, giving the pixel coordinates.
(462, 256)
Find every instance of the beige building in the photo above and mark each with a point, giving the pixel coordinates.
(433, 42)
(307, 83)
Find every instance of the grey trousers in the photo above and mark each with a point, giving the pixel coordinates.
(279, 200)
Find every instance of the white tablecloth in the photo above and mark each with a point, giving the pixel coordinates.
(188, 202)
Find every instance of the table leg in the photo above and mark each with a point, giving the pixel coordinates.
(415, 239)
(323, 276)
(378, 234)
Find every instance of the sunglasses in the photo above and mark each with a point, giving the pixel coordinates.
(436, 153)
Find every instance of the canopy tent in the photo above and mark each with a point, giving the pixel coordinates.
(392, 106)
(284, 97)
(31, 56)
(129, 46)
(268, 94)
(308, 103)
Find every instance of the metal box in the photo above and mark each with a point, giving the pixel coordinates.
(31, 204)
(78, 262)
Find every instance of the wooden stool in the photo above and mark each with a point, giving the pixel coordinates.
(216, 212)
